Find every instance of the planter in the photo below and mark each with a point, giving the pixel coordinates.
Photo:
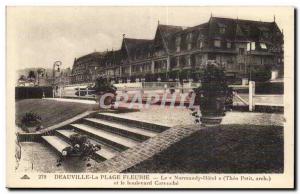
(212, 95)
(212, 110)
(210, 120)
(109, 100)
(32, 127)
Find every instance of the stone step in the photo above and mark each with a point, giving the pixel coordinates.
(112, 139)
(135, 133)
(104, 153)
(121, 119)
(56, 143)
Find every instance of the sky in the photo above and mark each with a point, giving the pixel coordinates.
(39, 36)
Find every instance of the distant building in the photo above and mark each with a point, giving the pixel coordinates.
(240, 46)
(84, 68)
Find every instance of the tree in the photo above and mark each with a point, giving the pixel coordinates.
(22, 78)
(31, 75)
(40, 71)
(102, 86)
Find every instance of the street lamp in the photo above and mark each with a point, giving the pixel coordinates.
(56, 64)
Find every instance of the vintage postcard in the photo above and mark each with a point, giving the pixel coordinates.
(150, 97)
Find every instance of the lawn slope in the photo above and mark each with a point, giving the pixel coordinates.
(222, 149)
(51, 111)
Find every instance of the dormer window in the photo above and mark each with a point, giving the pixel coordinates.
(222, 30)
(265, 34)
(263, 46)
(189, 37)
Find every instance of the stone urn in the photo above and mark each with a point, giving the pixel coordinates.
(212, 110)
(212, 95)
(109, 100)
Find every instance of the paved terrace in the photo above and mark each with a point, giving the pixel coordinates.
(173, 116)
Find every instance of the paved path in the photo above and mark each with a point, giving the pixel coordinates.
(38, 158)
(83, 101)
(182, 116)
(173, 116)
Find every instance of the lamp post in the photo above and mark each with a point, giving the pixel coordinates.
(55, 64)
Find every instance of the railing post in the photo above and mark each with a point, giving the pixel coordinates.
(251, 95)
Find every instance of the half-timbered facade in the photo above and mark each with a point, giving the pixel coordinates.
(175, 52)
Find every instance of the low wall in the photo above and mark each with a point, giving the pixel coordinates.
(33, 92)
(29, 137)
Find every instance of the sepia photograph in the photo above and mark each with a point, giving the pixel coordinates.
(150, 97)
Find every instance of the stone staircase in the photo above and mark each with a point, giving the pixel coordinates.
(114, 132)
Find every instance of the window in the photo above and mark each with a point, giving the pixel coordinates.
(279, 60)
(263, 46)
(228, 44)
(183, 61)
(188, 60)
(251, 46)
(198, 60)
(212, 57)
(241, 51)
(189, 37)
(201, 44)
(189, 46)
(177, 43)
(173, 62)
(217, 43)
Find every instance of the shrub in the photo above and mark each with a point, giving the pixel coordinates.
(102, 86)
(31, 120)
(260, 74)
(82, 146)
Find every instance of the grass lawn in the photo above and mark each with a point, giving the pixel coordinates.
(51, 111)
(222, 149)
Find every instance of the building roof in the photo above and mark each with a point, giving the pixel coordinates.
(242, 29)
(134, 45)
(168, 30)
(92, 55)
